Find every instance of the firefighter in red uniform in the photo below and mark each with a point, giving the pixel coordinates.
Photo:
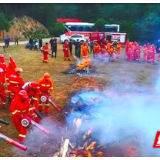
(15, 82)
(2, 63)
(45, 53)
(20, 108)
(66, 51)
(2, 89)
(45, 86)
(32, 91)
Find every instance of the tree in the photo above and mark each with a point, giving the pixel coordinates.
(58, 29)
(129, 28)
(88, 12)
(147, 29)
(4, 23)
(100, 25)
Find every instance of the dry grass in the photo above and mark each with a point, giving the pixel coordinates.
(34, 68)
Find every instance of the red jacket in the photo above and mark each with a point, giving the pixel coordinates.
(15, 79)
(45, 86)
(20, 109)
(45, 48)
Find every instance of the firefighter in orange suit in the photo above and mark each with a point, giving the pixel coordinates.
(85, 50)
(15, 82)
(118, 49)
(45, 86)
(108, 48)
(96, 48)
(20, 108)
(45, 53)
(2, 89)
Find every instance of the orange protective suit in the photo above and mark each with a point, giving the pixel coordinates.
(96, 48)
(46, 88)
(84, 49)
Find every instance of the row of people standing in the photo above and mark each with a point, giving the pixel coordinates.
(78, 45)
(82, 49)
(134, 52)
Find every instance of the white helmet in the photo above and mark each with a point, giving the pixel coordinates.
(1, 70)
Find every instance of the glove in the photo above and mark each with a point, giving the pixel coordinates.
(49, 94)
(34, 116)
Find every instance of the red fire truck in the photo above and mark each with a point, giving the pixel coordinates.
(76, 27)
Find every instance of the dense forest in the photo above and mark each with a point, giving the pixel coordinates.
(140, 21)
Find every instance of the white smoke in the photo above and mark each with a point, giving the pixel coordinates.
(126, 111)
(130, 111)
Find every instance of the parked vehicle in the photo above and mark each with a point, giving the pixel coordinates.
(74, 38)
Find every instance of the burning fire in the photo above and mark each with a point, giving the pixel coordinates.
(87, 152)
(84, 64)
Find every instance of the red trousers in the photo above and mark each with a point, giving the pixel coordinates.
(45, 104)
(45, 56)
(21, 129)
(2, 96)
(66, 53)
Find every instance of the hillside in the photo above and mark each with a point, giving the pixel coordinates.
(26, 26)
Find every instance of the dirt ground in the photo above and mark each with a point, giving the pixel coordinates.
(108, 75)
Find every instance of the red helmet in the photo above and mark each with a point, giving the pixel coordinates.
(47, 76)
(23, 94)
(33, 84)
(1, 56)
(84, 43)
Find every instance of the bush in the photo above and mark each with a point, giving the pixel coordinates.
(58, 29)
(100, 25)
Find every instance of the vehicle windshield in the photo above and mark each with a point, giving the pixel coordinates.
(76, 36)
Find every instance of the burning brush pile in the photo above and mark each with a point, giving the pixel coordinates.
(83, 67)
